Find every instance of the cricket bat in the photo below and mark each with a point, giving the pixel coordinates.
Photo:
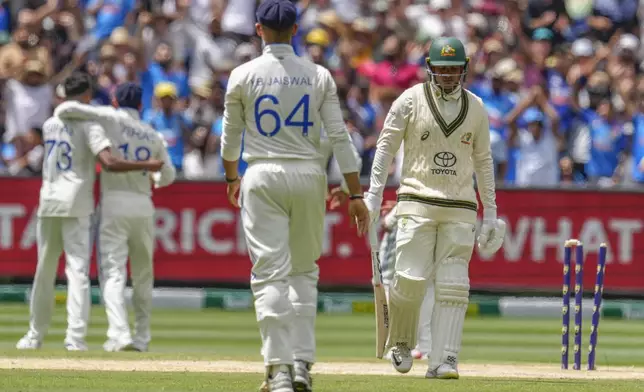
(380, 300)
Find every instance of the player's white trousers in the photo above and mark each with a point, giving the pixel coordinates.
(438, 253)
(120, 237)
(74, 237)
(388, 266)
(283, 211)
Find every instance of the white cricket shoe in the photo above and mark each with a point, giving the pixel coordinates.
(28, 343)
(114, 346)
(279, 379)
(75, 346)
(401, 358)
(444, 371)
(302, 382)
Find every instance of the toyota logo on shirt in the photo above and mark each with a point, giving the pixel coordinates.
(445, 160)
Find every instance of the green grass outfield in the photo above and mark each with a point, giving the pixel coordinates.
(496, 351)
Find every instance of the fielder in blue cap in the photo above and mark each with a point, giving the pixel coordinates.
(128, 95)
(279, 103)
(276, 21)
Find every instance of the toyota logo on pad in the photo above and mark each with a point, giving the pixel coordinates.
(445, 159)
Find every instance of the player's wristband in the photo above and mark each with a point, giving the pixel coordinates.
(354, 197)
(228, 180)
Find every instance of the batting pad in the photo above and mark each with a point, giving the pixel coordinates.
(406, 294)
(452, 298)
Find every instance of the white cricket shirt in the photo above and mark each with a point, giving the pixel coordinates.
(282, 101)
(126, 193)
(69, 167)
(444, 144)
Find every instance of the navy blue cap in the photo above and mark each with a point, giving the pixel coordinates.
(128, 95)
(279, 15)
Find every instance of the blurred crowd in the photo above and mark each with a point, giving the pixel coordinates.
(562, 80)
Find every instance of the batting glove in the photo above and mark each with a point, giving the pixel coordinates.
(491, 236)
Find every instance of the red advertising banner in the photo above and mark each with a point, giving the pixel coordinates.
(199, 238)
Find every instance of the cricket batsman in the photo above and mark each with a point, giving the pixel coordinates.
(446, 140)
(126, 217)
(64, 212)
(282, 101)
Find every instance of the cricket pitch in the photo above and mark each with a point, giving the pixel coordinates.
(508, 371)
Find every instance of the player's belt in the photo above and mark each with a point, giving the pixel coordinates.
(468, 205)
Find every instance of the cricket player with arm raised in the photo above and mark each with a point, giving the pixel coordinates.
(282, 101)
(64, 213)
(446, 140)
(126, 221)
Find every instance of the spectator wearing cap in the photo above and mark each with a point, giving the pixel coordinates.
(121, 40)
(200, 110)
(331, 24)
(538, 50)
(538, 140)
(492, 53)
(170, 121)
(623, 63)
(363, 38)
(317, 41)
(514, 85)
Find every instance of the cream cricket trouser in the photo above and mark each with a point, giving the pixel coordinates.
(439, 253)
(388, 266)
(283, 210)
(118, 238)
(74, 237)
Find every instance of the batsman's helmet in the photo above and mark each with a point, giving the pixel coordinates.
(447, 52)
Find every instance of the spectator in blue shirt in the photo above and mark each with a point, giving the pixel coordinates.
(172, 124)
(607, 142)
(498, 104)
(162, 69)
(109, 15)
(558, 89)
